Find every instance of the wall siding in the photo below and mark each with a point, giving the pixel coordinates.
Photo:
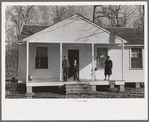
(53, 70)
(115, 54)
(85, 53)
(132, 75)
(22, 63)
(85, 62)
(75, 31)
(53, 62)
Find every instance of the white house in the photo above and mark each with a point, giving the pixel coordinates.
(42, 49)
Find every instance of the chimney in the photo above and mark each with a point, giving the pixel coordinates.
(56, 20)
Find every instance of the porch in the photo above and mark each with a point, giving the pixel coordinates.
(74, 86)
(87, 63)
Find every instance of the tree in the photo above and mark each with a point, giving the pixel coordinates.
(112, 15)
(16, 16)
(139, 20)
(45, 15)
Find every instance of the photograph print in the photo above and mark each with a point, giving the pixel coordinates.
(74, 51)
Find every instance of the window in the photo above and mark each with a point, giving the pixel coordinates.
(41, 57)
(101, 57)
(136, 58)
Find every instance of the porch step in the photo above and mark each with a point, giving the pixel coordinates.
(77, 88)
(78, 91)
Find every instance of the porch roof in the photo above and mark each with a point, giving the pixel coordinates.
(78, 29)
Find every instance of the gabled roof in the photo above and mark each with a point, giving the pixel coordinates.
(128, 34)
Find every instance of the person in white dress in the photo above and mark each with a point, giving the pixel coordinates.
(95, 74)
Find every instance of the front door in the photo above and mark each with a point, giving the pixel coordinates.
(72, 55)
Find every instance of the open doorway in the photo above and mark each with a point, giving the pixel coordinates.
(72, 55)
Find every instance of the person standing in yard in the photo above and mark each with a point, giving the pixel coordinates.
(65, 65)
(108, 67)
(76, 70)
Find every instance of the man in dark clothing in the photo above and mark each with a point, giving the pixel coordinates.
(76, 70)
(108, 67)
(65, 65)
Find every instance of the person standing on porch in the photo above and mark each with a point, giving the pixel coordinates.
(108, 67)
(65, 65)
(95, 74)
(76, 70)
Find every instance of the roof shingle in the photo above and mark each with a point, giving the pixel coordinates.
(29, 30)
(132, 35)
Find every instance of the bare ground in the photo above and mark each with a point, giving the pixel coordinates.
(130, 92)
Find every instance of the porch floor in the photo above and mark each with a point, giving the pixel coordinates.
(56, 82)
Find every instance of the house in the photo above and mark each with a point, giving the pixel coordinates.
(42, 48)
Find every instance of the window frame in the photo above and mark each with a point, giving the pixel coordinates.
(35, 53)
(105, 47)
(130, 52)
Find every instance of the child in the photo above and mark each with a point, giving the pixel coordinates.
(76, 70)
(95, 72)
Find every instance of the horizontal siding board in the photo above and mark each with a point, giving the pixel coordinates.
(80, 31)
(132, 75)
(53, 62)
(85, 66)
(22, 63)
(84, 58)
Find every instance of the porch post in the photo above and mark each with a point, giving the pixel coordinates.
(27, 60)
(60, 61)
(92, 61)
(122, 61)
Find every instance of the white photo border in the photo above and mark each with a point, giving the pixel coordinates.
(66, 109)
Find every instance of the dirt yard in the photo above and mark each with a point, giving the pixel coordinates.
(12, 92)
